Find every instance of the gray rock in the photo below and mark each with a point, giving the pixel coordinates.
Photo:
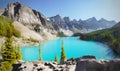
(51, 65)
(26, 15)
(81, 65)
(97, 65)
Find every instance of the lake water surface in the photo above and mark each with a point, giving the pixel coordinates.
(73, 48)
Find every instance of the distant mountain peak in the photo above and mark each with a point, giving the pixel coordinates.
(102, 19)
(67, 19)
(57, 16)
(92, 19)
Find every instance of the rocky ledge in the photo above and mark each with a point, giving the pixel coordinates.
(86, 63)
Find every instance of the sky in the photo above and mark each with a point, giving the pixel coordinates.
(75, 9)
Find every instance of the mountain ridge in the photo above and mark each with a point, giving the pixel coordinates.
(37, 22)
(89, 24)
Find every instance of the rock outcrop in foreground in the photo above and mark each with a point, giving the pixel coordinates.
(98, 65)
(78, 64)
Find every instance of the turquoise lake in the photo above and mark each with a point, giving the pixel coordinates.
(74, 48)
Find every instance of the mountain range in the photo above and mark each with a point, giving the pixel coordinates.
(91, 24)
(32, 23)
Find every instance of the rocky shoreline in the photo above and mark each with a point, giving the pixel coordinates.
(25, 42)
(86, 63)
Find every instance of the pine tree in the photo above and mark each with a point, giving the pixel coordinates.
(8, 51)
(5, 66)
(63, 55)
(56, 58)
(18, 54)
(40, 53)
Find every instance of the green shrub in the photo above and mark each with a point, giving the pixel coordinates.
(33, 40)
(5, 66)
(116, 44)
(61, 34)
(16, 33)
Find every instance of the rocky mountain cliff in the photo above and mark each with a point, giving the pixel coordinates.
(65, 24)
(26, 15)
(31, 23)
(91, 24)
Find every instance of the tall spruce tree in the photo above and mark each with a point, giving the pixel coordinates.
(8, 50)
(63, 55)
(40, 53)
(18, 53)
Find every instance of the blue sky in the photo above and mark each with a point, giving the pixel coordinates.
(75, 9)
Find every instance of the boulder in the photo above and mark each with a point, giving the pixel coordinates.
(98, 65)
(51, 65)
(16, 67)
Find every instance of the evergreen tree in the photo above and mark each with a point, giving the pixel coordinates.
(18, 54)
(5, 66)
(56, 58)
(63, 55)
(40, 53)
(8, 51)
